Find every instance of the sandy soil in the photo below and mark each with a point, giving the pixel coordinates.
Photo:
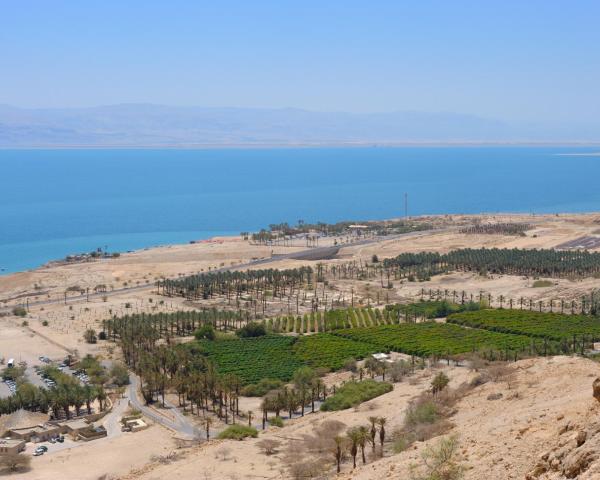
(110, 457)
(499, 439)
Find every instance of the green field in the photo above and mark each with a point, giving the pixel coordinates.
(252, 359)
(430, 338)
(329, 351)
(272, 356)
(553, 326)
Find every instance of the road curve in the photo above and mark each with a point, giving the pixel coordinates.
(180, 425)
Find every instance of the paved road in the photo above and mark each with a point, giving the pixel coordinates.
(308, 254)
(180, 424)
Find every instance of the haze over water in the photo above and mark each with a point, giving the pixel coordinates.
(60, 202)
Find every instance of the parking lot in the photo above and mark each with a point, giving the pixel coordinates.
(52, 447)
(35, 376)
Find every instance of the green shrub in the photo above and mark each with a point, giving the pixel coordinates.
(354, 393)
(238, 432)
(261, 388)
(276, 422)
(542, 283)
(420, 413)
(205, 332)
(252, 329)
(19, 311)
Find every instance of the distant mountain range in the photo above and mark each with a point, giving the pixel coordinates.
(132, 125)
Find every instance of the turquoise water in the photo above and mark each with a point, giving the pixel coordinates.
(60, 202)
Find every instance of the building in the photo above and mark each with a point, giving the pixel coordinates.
(35, 434)
(10, 446)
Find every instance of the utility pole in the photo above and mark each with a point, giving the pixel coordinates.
(405, 206)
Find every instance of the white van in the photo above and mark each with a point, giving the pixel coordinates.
(11, 362)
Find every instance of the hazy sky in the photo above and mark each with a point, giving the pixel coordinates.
(521, 60)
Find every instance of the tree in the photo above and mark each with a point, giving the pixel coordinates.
(338, 451)
(373, 431)
(381, 421)
(252, 329)
(119, 374)
(208, 421)
(439, 382)
(15, 461)
(205, 332)
(268, 445)
(303, 379)
(354, 437)
(90, 336)
(362, 441)
(439, 461)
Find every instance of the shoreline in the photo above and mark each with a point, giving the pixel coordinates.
(228, 238)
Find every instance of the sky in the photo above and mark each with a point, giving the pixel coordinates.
(519, 61)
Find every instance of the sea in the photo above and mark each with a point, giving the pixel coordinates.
(59, 202)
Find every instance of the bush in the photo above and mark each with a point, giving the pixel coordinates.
(19, 311)
(542, 283)
(90, 336)
(421, 412)
(15, 461)
(119, 374)
(354, 393)
(261, 388)
(251, 329)
(45, 323)
(276, 422)
(238, 432)
(350, 365)
(205, 332)
(13, 373)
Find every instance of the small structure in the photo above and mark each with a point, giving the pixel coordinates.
(81, 429)
(11, 446)
(91, 433)
(133, 424)
(381, 357)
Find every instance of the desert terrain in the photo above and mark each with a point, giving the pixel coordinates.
(504, 427)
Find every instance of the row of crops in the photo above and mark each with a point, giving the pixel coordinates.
(278, 356)
(552, 326)
(496, 332)
(330, 320)
(548, 263)
(438, 339)
(364, 317)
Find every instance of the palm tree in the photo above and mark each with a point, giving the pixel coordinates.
(354, 437)
(101, 396)
(88, 394)
(250, 415)
(381, 421)
(362, 441)
(338, 452)
(208, 421)
(373, 432)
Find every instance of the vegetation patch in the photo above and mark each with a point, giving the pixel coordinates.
(438, 339)
(252, 359)
(354, 393)
(330, 351)
(238, 432)
(554, 326)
